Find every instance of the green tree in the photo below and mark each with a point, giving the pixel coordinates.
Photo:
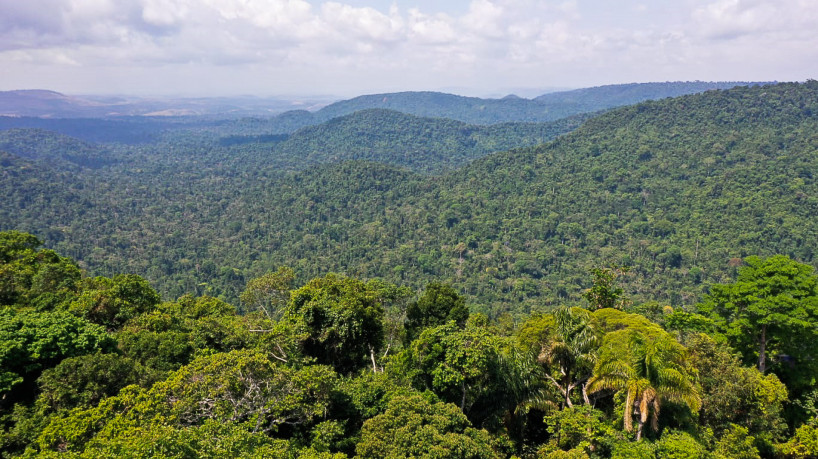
(648, 371)
(736, 395)
(341, 319)
(269, 293)
(605, 293)
(30, 276)
(570, 352)
(412, 426)
(439, 304)
(462, 366)
(771, 309)
(580, 428)
(112, 302)
(31, 342)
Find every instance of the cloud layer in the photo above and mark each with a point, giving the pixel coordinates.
(281, 46)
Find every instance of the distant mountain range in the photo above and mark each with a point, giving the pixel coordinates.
(474, 110)
(51, 104)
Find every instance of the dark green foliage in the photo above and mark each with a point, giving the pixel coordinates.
(604, 292)
(85, 380)
(31, 342)
(438, 305)
(580, 429)
(641, 186)
(33, 277)
(461, 366)
(736, 395)
(769, 315)
(427, 145)
(342, 319)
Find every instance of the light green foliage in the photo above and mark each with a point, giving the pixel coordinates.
(679, 445)
(112, 302)
(211, 439)
(582, 429)
(246, 385)
(735, 443)
(31, 342)
(414, 427)
(803, 444)
(342, 319)
(648, 370)
(569, 356)
(462, 366)
(633, 450)
(238, 388)
(439, 304)
(611, 320)
(269, 293)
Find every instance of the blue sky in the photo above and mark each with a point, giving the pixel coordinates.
(350, 47)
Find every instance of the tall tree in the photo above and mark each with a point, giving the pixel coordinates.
(342, 321)
(570, 354)
(771, 310)
(649, 372)
(438, 305)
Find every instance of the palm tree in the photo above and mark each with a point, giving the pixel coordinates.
(651, 372)
(569, 357)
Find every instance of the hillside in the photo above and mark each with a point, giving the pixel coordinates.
(617, 95)
(678, 189)
(548, 107)
(429, 145)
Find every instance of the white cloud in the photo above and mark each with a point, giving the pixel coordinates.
(484, 42)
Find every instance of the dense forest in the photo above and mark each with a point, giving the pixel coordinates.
(340, 367)
(636, 282)
(678, 189)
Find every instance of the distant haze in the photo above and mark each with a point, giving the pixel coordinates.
(352, 47)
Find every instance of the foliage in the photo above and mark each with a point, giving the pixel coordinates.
(438, 305)
(240, 388)
(570, 353)
(736, 444)
(735, 396)
(803, 444)
(269, 293)
(112, 302)
(640, 186)
(31, 342)
(415, 427)
(679, 445)
(604, 292)
(580, 428)
(85, 380)
(768, 314)
(649, 371)
(342, 320)
(461, 366)
(30, 276)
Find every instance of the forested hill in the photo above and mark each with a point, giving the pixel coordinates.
(548, 107)
(617, 95)
(679, 189)
(429, 145)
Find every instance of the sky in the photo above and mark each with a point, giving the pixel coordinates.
(352, 47)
